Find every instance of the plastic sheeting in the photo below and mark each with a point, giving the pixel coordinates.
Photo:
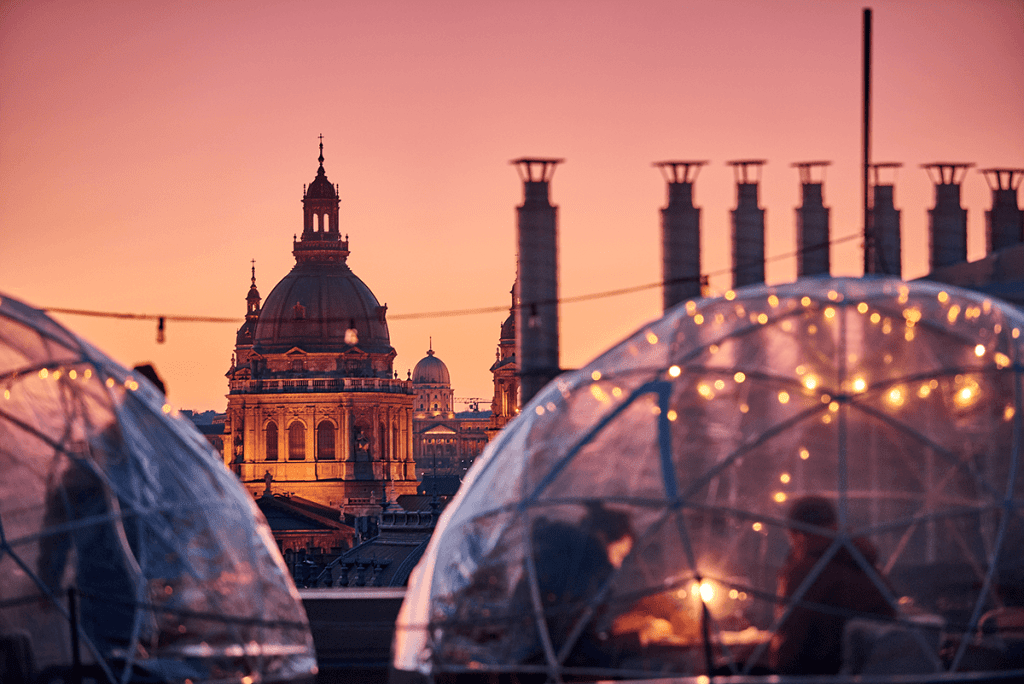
(105, 491)
(898, 404)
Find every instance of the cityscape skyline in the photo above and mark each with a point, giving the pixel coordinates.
(149, 154)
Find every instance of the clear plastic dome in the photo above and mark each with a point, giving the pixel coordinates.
(118, 516)
(815, 478)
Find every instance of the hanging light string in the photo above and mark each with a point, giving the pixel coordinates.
(161, 318)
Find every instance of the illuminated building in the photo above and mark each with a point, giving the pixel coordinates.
(505, 405)
(315, 407)
(446, 443)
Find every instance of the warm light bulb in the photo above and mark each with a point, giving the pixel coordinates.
(773, 301)
(943, 296)
(596, 375)
(739, 377)
(780, 497)
(979, 350)
(698, 319)
(762, 318)
(833, 295)
(719, 384)
(783, 397)
(810, 382)
(674, 371)
(652, 338)
(730, 295)
(830, 313)
(784, 478)
(707, 592)
(757, 527)
(806, 301)
(44, 373)
(859, 384)
(672, 415)
(875, 317)
(805, 454)
(862, 307)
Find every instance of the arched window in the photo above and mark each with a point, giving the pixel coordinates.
(316, 223)
(327, 223)
(272, 441)
(325, 441)
(296, 441)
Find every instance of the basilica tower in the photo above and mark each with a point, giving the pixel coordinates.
(314, 407)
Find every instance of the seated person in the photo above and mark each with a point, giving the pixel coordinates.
(809, 641)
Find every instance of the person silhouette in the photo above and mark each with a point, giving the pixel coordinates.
(809, 640)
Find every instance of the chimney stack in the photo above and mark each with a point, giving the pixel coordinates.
(887, 255)
(812, 222)
(680, 234)
(1005, 221)
(747, 225)
(948, 220)
(537, 279)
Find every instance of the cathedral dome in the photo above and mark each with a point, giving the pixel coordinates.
(431, 371)
(321, 188)
(315, 305)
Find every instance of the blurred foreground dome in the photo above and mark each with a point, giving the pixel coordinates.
(816, 478)
(115, 515)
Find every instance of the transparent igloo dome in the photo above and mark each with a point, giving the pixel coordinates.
(816, 478)
(128, 552)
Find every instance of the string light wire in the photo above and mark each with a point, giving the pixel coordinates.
(447, 313)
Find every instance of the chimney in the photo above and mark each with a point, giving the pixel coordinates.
(947, 222)
(680, 234)
(887, 253)
(812, 224)
(1005, 221)
(747, 225)
(537, 278)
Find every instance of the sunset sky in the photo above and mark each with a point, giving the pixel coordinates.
(149, 151)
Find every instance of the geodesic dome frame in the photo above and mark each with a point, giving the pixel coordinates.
(127, 550)
(897, 403)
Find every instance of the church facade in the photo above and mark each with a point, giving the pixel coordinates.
(315, 408)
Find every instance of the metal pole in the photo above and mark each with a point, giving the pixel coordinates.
(76, 655)
(869, 238)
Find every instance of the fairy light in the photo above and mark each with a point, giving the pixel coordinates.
(953, 312)
(707, 592)
(672, 415)
(734, 594)
(652, 338)
(875, 317)
(780, 497)
(1002, 360)
(800, 370)
(1015, 333)
(73, 374)
(862, 307)
(886, 327)
(979, 350)
(806, 301)
(674, 371)
(810, 382)
(1008, 413)
(826, 398)
(773, 301)
(7, 394)
(896, 397)
(783, 397)
(923, 391)
(713, 349)
(904, 294)
(616, 392)
(997, 328)
(698, 319)
(597, 393)
(833, 406)
(656, 410)
(539, 410)
(909, 335)
(812, 329)
(784, 478)
(757, 527)
(762, 318)
(56, 374)
(691, 307)
(833, 295)
(730, 295)
(596, 375)
(705, 391)
(787, 325)
(744, 408)
(110, 383)
(87, 374)
(719, 384)
(44, 373)
(826, 419)
(805, 454)
(739, 377)
(859, 384)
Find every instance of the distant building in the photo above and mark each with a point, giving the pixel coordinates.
(446, 443)
(505, 405)
(315, 408)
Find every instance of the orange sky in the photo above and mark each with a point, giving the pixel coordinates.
(148, 151)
